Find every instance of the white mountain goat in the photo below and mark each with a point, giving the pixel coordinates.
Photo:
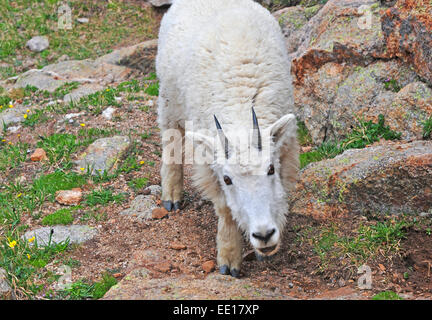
(223, 68)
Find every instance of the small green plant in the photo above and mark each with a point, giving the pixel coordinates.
(84, 290)
(368, 132)
(387, 295)
(303, 134)
(101, 287)
(62, 216)
(392, 85)
(138, 183)
(152, 89)
(427, 129)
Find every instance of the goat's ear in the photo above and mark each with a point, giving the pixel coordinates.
(283, 129)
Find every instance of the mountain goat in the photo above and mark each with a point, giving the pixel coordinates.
(226, 91)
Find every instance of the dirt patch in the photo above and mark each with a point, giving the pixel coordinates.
(416, 262)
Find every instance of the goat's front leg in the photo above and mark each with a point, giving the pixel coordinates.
(229, 243)
(172, 169)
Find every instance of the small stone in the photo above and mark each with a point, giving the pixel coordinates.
(141, 207)
(291, 285)
(160, 3)
(163, 267)
(177, 246)
(159, 213)
(69, 197)
(13, 129)
(306, 149)
(39, 155)
(38, 44)
(209, 266)
(108, 113)
(83, 20)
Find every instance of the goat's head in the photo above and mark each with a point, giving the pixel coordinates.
(246, 163)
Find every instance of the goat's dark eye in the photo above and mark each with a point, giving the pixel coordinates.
(227, 180)
(271, 170)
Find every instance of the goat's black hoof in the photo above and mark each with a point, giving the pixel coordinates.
(167, 205)
(224, 270)
(177, 206)
(235, 273)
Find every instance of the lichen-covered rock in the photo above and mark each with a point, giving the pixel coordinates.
(392, 178)
(103, 155)
(407, 29)
(343, 71)
(75, 234)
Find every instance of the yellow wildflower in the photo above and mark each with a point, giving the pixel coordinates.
(10, 106)
(142, 162)
(12, 244)
(82, 169)
(19, 195)
(28, 110)
(82, 124)
(28, 256)
(25, 116)
(31, 239)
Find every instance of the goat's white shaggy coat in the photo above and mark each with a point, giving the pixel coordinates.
(221, 57)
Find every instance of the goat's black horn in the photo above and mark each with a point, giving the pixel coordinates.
(256, 139)
(222, 137)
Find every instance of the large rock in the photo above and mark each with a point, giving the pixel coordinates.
(392, 178)
(103, 154)
(75, 234)
(116, 66)
(343, 71)
(407, 29)
(139, 285)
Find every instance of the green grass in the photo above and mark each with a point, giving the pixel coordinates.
(12, 155)
(62, 216)
(363, 134)
(119, 22)
(103, 197)
(365, 243)
(84, 290)
(387, 295)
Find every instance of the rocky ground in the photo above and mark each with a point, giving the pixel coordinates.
(80, 184)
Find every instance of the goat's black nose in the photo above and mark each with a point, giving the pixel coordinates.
(266, 238)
